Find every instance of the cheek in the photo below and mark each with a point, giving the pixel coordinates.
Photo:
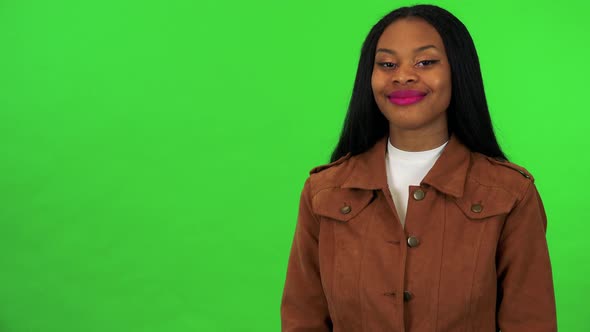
(448, 88)
(447, 81)
(376, 83)
(443, 86)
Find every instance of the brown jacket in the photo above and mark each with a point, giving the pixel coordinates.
(472, 256)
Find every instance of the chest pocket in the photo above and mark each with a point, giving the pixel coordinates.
(341, 204)
(480, 202)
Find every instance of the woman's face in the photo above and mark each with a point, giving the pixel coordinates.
(411, 78)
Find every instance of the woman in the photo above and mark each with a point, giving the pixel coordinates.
(419, 223)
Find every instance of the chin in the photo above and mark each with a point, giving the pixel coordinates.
(414, 123)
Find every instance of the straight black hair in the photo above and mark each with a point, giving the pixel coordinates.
(468, 116)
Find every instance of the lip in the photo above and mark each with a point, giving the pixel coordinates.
(406, 97)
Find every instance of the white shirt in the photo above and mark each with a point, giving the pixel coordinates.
(405, 169)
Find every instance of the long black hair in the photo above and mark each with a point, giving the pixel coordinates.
(468, 116)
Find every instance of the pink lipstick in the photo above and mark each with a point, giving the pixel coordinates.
(406, 97)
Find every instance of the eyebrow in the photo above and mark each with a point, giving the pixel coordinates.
(392, 52)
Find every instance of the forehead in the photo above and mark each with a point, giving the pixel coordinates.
(409, 33)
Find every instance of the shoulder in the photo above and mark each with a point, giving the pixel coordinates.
(497, 172)
(320, 168)
(331, 175)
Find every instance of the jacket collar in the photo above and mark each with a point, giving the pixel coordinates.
(448, 174)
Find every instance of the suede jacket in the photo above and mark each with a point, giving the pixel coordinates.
(472, 257)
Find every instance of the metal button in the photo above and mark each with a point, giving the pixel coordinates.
(413, 241)
(477, 208)
(419, 194)
(345, 209)
(408, 296)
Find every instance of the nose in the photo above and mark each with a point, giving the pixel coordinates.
(405, 75)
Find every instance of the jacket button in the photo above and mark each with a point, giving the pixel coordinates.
(477, 208)
(413, 241)
(419, 194)
(407, 296)
(345, 209)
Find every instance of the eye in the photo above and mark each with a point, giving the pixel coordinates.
(426, 63)
(387, 65)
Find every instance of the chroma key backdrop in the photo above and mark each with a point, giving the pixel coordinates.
(152, 153)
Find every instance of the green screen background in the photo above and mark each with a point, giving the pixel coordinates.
(152, 152)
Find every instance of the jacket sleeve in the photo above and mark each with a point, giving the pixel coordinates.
(526, 300)
(304, 306)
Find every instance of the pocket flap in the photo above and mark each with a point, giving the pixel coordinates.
(341, 204)
(480, 202)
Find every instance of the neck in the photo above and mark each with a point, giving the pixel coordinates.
(409, 140)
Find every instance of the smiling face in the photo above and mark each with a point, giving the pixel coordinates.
(411, 80)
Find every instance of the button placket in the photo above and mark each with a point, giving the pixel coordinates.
(418, 195)
(413, 241)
